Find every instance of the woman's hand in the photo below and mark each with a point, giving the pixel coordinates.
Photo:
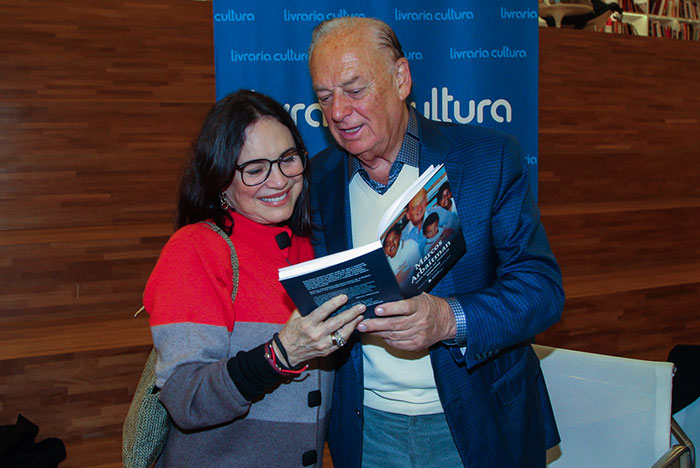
(309, 337)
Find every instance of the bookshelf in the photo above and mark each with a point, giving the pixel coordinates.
(674, 19)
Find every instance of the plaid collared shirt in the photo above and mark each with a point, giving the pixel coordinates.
(408, 154)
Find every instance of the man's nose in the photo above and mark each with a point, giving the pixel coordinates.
(340, 108)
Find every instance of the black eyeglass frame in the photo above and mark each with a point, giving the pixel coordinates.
(301, 153)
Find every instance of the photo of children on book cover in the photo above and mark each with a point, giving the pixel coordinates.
(426, 239)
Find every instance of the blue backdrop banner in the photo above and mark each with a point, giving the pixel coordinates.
(472, 61)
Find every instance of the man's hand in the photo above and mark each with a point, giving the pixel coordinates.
(412, 324)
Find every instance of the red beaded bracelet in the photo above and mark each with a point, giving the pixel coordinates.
(272, 359)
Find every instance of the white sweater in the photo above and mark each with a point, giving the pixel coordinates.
(395, 381)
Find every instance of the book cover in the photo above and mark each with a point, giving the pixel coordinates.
(419, 240)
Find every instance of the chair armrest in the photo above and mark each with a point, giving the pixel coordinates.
(683, 452)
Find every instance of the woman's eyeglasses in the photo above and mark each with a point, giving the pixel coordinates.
(291, 163)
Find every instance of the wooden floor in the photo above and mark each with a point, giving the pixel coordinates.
(98, 106)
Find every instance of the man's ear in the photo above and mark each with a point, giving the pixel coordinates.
(403, 78)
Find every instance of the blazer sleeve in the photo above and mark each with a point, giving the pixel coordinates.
(524, 295)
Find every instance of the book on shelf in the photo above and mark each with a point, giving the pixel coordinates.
(618, 27)
(684, 9)
(634, 6)
(419, 238)
(640, 6)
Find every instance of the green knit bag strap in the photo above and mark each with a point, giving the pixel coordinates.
(234, 257)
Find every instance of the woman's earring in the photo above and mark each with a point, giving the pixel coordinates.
(223, 201)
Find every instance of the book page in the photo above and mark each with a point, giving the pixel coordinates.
(324, 262)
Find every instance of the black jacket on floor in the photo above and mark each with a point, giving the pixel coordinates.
(18, 448)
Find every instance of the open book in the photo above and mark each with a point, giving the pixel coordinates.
(419, 238)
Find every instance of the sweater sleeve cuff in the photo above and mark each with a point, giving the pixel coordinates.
(251, 373)
(460, 338)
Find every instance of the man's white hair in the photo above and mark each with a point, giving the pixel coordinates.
(384, 37)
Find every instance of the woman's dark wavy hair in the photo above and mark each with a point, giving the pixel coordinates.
(215, 152)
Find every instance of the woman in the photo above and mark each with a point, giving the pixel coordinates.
(234, 376)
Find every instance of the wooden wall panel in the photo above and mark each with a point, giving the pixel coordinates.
(620, 189)
(78, 396)
(98, 106)
(99, 103)
(640, 322)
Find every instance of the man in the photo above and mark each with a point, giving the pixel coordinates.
(415, 212)
(415, 216)
(448, 378)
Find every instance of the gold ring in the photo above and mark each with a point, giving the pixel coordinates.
(338, 339)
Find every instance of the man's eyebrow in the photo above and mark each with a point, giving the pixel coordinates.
(351, 81)
(348, 82)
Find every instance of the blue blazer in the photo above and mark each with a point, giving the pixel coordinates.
(508, 282)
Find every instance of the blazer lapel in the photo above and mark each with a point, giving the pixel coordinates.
(434, 149)
(335, 203)
(433, 146)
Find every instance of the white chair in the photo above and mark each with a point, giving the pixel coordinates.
(610, 411)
